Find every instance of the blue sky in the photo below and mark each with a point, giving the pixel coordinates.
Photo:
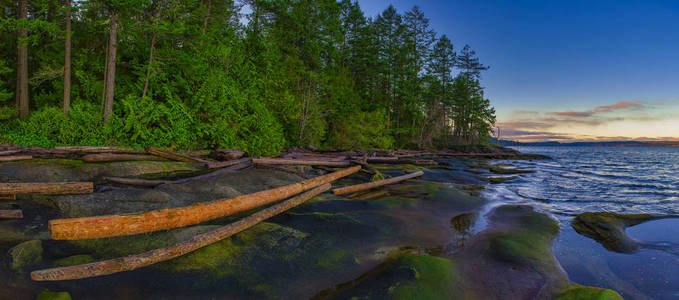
(569, 70)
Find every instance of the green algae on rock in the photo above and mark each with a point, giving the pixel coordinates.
(25, 255)
(74, 260)
(507, 170)
(608, 229)
(578, 292)
(48, 295)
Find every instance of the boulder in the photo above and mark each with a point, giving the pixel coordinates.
(25, 254)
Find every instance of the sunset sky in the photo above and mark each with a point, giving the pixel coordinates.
(569, 70)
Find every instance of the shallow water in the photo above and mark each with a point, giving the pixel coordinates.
(621, 180)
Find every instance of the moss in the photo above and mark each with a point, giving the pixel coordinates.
(501, 169)
(74, 260)
(47, 295)
(517, 247)
(332, 259)
(25, 254)
(578, 292)
(609, 229)
(431, 278)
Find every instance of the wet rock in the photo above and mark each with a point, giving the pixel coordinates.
(74, 260)
(55, 170)
(578, 292)
(512, 259)
(507, 170)
(608, 229)
(25, 254)
(47, 295)
(498, 180)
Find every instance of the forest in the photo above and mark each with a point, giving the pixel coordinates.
(257, 75)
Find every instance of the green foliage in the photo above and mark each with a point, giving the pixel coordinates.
(309, 73)
(362, 130)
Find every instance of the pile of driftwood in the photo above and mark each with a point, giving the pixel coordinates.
(220, 161)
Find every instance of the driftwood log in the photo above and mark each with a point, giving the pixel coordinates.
(15, 157)
(174, 156)
(8, 197)
(222, 164)
(112, 157)
(117, 225)
(47, 188)
(11, 214)
(282, 161)
(418, 162)
(370, 185)
(136, 261)
(9, 152)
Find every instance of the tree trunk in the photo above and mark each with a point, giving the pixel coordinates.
(174, 156)
(14, 158)
(207, 15)
(22, 62)
(148, 68)
(111, 67)
(67, 60)
(128, 224)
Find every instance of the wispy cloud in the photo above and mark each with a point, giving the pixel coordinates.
(603, 122)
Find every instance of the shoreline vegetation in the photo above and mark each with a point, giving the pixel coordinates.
(272, 75)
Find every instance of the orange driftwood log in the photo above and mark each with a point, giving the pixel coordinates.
(11, 214)
(117, 225)
(110, 157)
(132, 262)
(370, 185)
(282, 161)
(8, 197)
(174, 156)
(17, 157)
(47, 188)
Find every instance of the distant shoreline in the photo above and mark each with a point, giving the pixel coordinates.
(592, 144)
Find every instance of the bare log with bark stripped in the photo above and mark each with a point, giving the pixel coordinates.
(117, 225)
(15, 157)
(370, 185)
(282, 161)
(136, 181)
(174, 156)
(136, 261)
(47, 188)
(99, 149)
(11, 214)
(418, 162)
(112, 157)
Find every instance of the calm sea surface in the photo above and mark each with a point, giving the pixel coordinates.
(579, 179)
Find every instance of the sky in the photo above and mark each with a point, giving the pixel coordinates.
(568, 70)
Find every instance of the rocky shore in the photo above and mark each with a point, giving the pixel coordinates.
(431, 238)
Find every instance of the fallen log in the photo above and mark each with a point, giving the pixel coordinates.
(282, 161)
(418, 162)
(9, 152)
(98, 149)
(370, 185)
(112, 157)
(117, 225)
(47, 188)
(8, 197)
(239, 166)
(136, 261)
(174, 156)
(222, 164)
(16, 157)
(11, 214)
(136, 181)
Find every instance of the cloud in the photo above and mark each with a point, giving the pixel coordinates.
(598, 109)
(639, 120)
